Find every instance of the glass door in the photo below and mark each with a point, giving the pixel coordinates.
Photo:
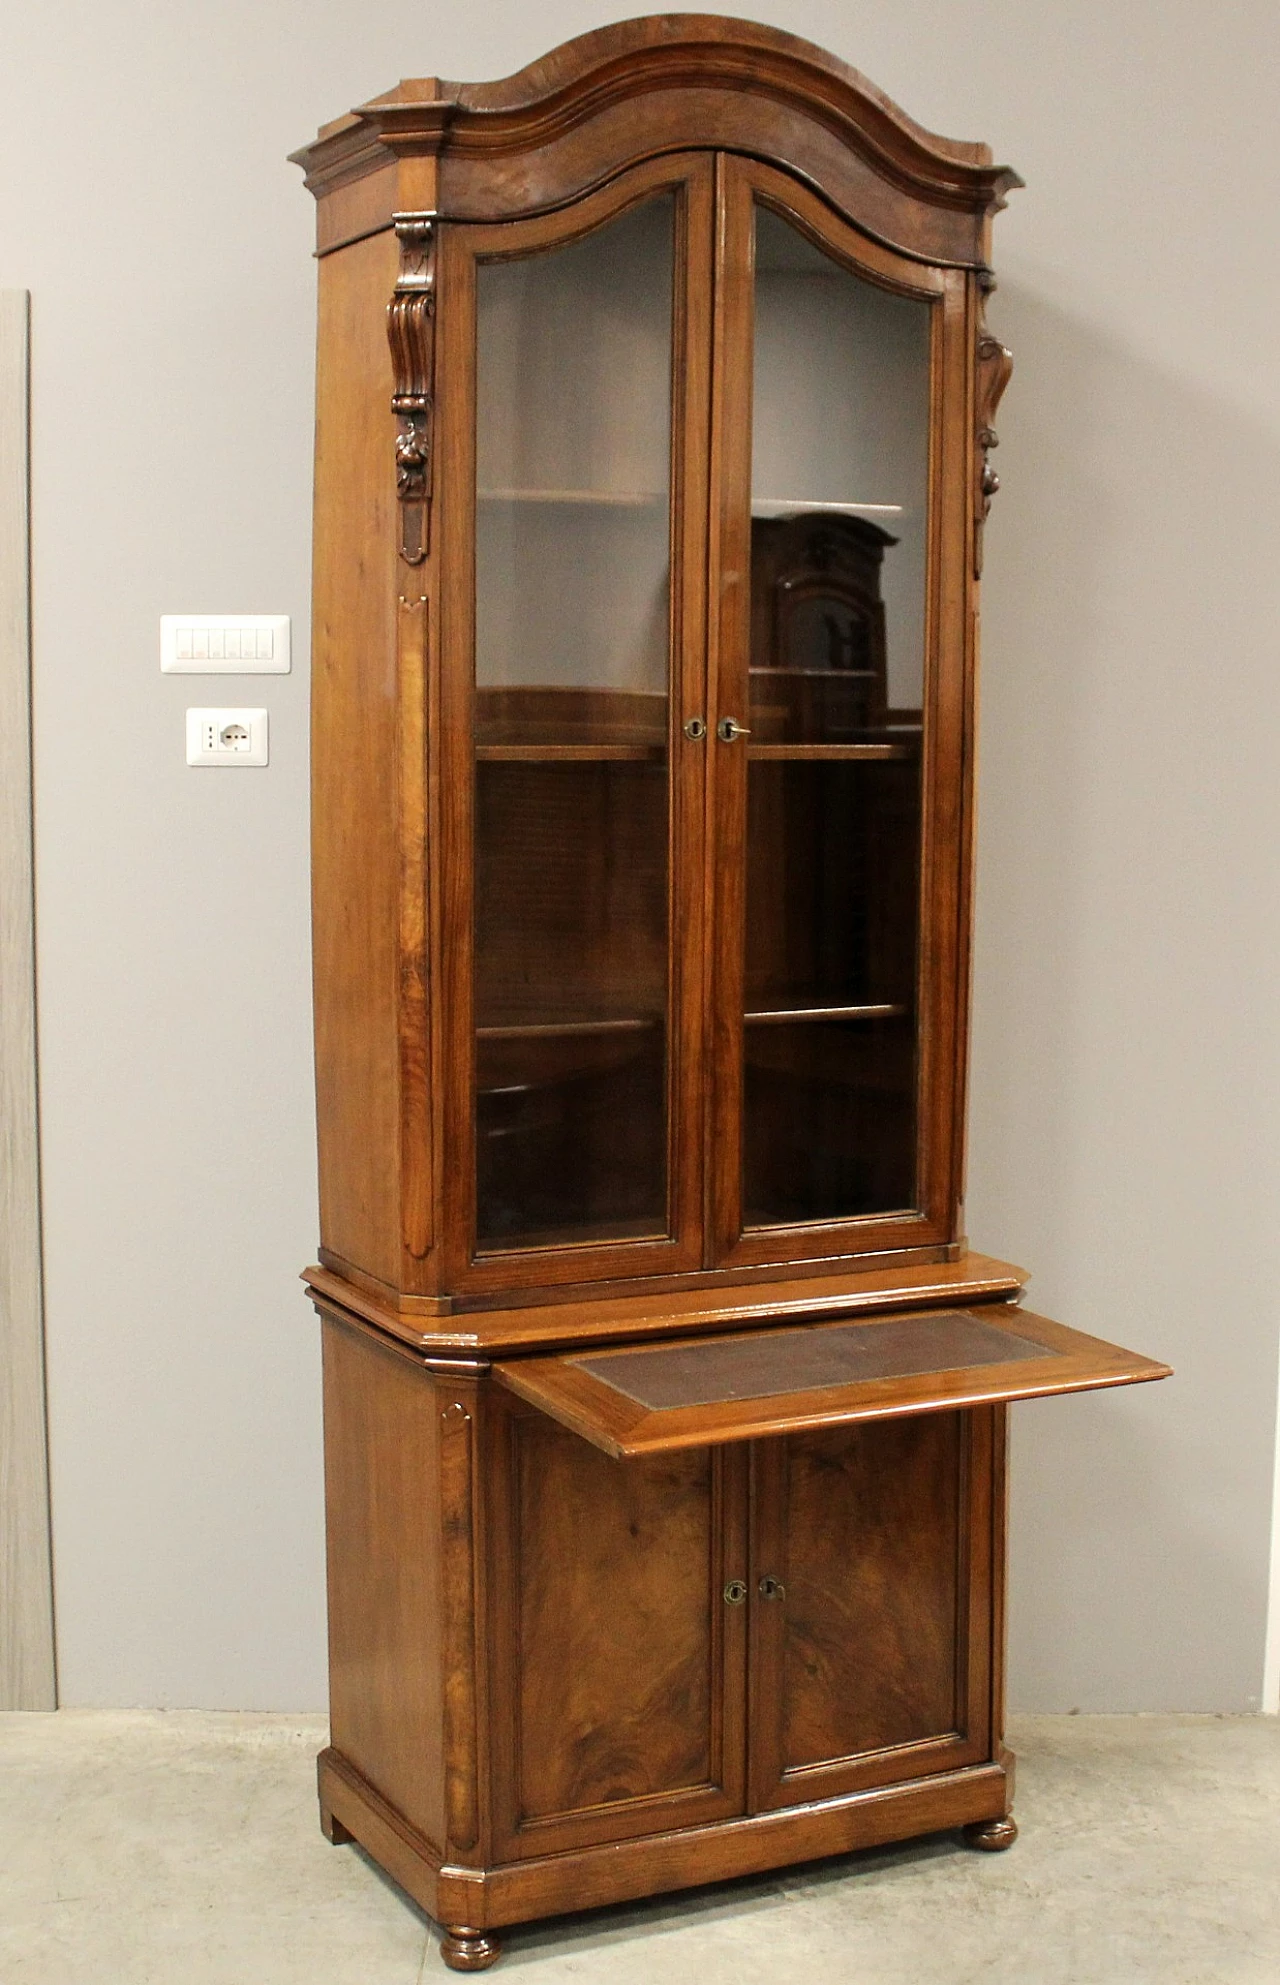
(586, 790)
(828, 396)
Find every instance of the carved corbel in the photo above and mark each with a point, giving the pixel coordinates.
(411, 332)
(993, 371)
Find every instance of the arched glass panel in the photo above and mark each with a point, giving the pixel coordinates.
(839, 498)
(572, 677)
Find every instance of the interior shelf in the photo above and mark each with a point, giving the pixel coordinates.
(785, 1014)
(803, 506)
(815, 675)
(639, 499)
(614, 499)
(570, 754)
(521, 1029)
(873, 752)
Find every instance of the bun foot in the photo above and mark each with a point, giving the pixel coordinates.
(468, 1950)
(992, 1836)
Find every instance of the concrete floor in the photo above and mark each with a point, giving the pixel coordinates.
(182, 1849)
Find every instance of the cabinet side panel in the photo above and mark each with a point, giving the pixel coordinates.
(355, 855)
(382, 1499)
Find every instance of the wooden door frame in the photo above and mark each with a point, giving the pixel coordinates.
(466, 1268)
(27, 1670)
(942, 970)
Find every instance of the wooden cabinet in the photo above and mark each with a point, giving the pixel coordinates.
(665, 1403)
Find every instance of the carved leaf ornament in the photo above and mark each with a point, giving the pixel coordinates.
(994, 370)
(411, 333)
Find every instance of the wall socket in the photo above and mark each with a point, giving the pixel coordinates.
(227, 737)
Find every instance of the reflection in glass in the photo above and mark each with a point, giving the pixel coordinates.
(572, 585)
(838, 536)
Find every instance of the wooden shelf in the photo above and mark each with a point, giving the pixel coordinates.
(556, 1030)
(608, 499)
(816, 675)
(802, 506)
(570, 754)
(853, 752)
(779, 1016)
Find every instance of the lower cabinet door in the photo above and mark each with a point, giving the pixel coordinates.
(617, 1666)
(872, 1578)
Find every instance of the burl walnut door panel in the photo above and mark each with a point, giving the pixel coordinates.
(616, 1664)
(871, 1604)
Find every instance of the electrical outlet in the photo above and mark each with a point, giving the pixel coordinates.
(227, 737)
(224, 644)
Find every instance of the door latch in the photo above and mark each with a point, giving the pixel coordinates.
(772, 1588)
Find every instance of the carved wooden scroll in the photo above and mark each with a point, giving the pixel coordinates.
(993, 372)
(411, 331)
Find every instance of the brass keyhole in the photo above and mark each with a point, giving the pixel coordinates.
(695, 728)
(772, 1588)
(735, 1592)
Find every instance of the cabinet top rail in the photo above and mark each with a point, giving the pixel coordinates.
(641, 88)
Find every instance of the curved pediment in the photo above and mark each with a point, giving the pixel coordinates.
(674, 82)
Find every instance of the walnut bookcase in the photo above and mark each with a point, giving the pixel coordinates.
(665, 1404)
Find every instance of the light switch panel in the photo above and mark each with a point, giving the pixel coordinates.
(224, 644)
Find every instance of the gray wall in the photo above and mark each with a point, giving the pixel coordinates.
(1124, 1132)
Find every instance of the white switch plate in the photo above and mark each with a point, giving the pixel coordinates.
(227, 737)
(224, 644)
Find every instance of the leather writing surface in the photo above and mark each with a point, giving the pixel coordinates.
(801, 1359)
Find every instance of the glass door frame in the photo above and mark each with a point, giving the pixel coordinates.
(690, 178)
(942, 967)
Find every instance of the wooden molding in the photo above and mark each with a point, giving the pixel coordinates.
(27, 1674)
(623, 1871)
(666, 1311)
(608, 99)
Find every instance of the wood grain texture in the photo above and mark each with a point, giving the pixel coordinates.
(458, 1605)
(617, 1705)
(387, 1658)
(675, 1309)
(27, 1674)
(659, 1307)
(355, 766)
(860, 1660)
(621, 1871)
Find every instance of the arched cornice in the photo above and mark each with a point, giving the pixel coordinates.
(672, 82)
